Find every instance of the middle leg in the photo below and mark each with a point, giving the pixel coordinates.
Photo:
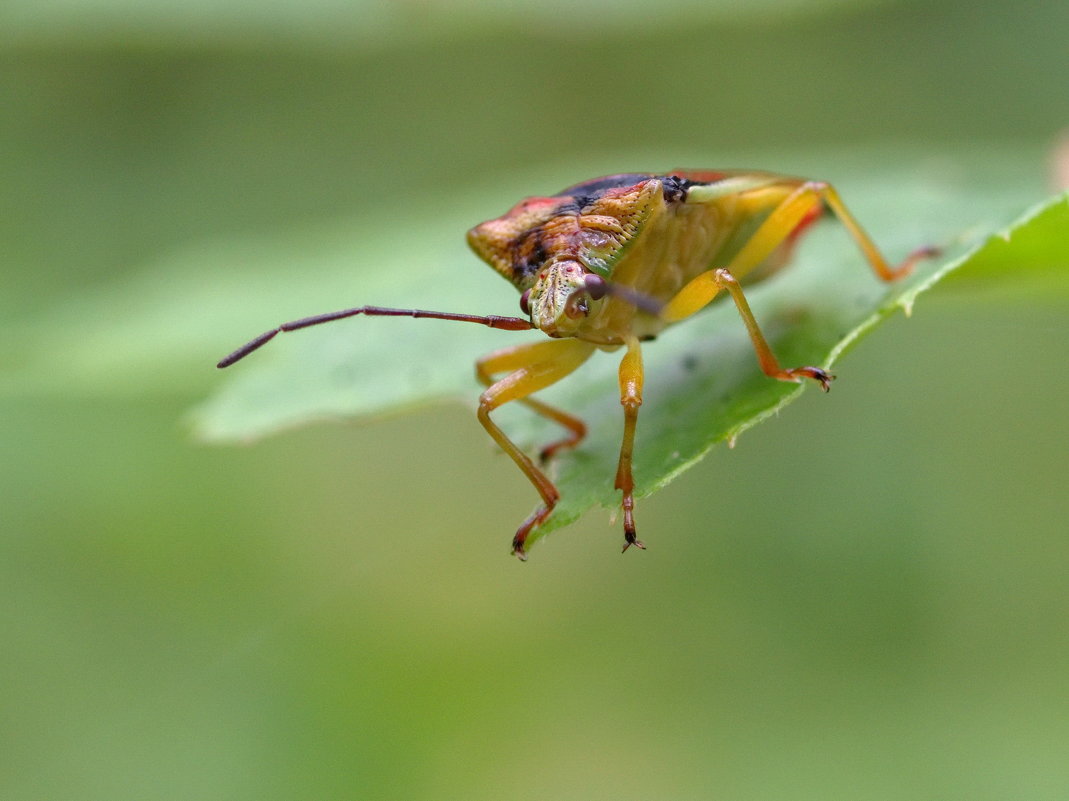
(701, 291)
(631, 378)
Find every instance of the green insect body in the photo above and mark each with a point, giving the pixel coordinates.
(607, 264)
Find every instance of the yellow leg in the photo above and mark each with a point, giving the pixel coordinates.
(631, 377)
(705, 287)
(536, 367)
(509, 359)
(796, 202)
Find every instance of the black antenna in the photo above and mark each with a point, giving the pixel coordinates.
(491, 321)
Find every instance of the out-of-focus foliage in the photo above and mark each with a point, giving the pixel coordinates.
(862, 600)
(373, 24)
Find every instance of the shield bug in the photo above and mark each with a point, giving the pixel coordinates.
(607, 264)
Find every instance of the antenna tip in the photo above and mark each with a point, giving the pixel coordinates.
(247, 348)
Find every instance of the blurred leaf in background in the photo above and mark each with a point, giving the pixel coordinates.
(332, 613)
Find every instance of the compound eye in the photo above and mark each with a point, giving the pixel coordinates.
(525, 302)
(596, 286)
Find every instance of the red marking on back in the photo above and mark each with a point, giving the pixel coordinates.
(785, 252)
(701, 176)
(814, 214)
(532, 204)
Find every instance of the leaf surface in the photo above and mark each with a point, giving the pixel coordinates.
(163, 330)
(702, 382)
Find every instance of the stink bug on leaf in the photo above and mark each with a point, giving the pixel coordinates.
(609, 263)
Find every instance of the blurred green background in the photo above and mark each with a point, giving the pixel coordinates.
(865, 599)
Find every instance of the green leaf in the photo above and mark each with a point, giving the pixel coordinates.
(368, 23)
(706, 388)
(163, 330)
(702, 384)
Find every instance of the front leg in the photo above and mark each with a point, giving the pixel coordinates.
(509, 359)
(536, 367)
(631, 377)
